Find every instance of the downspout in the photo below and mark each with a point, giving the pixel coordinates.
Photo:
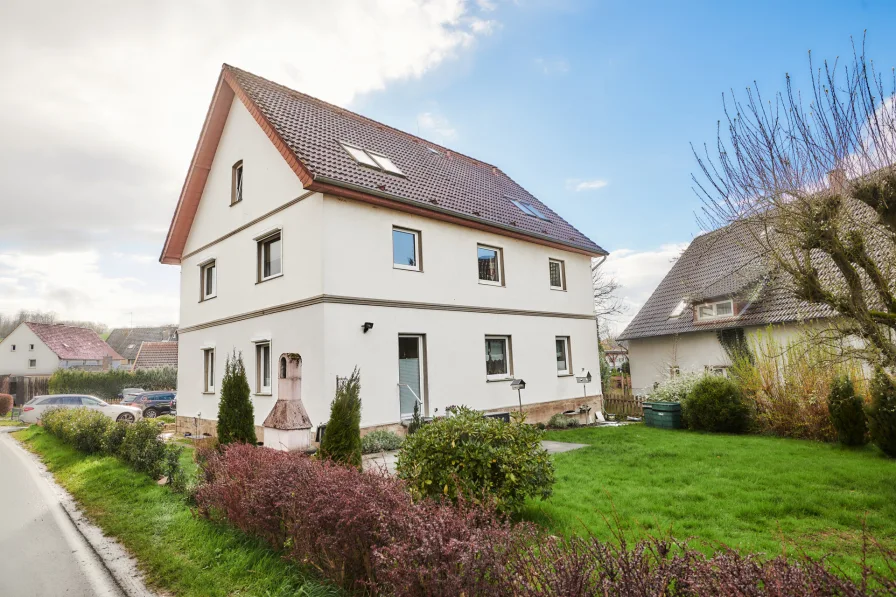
(597, 331)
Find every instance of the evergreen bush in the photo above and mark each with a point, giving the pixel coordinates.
(716, 404)
(342, 439)
(236, 415)
(882, 414)
(847, 412)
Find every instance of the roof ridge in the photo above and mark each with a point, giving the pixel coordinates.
(363, 118)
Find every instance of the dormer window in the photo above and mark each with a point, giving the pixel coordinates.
(236, 184)
(373, 160)
(715, 310)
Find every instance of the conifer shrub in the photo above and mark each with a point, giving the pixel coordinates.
(236, 415)
(342, 439)
(882, 414)
(847, 412)
(716, 404)
(478, 458)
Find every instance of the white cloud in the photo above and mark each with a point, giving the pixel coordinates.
(579, 185)
(639, 273)
(74, 285)
(551, 67)
(436, 124)
(486, 5)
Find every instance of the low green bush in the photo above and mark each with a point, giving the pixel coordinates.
(380, 441)
(847, 412)
(882, 414)
(716, 404)
(561, 421)
(482, 459)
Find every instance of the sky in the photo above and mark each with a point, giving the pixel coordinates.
(590, 105)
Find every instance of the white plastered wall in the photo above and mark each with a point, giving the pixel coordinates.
(16, 363)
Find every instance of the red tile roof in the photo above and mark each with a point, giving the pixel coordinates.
(73, 343)
(309, 134)
(153, 355)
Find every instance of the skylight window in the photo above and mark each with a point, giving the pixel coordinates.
(678, 310)
(374, 160)
(529, 209)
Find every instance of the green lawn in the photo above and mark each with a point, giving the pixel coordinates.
(759, 494)
(180, 553)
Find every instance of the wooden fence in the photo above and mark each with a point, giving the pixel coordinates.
(23, 388)
(623, 403)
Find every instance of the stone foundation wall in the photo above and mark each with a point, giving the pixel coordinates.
(535, 413)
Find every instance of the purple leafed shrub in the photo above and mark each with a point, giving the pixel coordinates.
(363, 532)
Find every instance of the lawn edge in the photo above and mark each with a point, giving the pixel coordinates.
(118, 562)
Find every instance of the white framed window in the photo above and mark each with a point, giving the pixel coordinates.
(385, 163)
(491, 266)
(715, 310)
(208, 367)
(270, 256)
(360, 156)
(12, 348)
(372, 159)
(209, 280)
(263, 368)
(405, 249)
(498, 358)
(236, 183)
(564, 363)
(718, 370)
(679, 309)
(31, 347)
(32, 363)
(557, 274)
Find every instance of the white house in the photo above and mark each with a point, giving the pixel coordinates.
(36, 349)
(717, 294)
(304, 229)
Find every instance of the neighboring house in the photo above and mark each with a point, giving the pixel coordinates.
(156, 355)
(307, 231)
(717, 294)
(617, 354)
(34, 349)
(127, 341)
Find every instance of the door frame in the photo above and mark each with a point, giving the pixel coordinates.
(424, 376)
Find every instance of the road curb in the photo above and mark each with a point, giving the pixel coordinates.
(117, 562)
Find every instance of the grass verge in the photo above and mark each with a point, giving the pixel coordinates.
(178, 552)
(754, 493)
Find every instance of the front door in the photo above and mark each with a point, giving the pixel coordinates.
(410, 374)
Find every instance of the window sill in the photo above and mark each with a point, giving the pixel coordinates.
(232, 203)
(558, 289)
(262, 394)
(269, 278)
(490, 283)
(498, 379)
(208, 298)
(407, 269)
(206, 393)
(566, 375)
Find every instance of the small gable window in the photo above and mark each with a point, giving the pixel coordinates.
(715, 310)
(13, 348)
(209, 279)
(32, 363)
(236, 184)
(557, 274)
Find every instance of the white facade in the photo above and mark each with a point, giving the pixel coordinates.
(338, 273)
(22, 349)
(652, 359)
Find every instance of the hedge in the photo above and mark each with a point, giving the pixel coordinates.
(107, 384)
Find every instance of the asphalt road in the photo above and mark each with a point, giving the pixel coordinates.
(42, 554)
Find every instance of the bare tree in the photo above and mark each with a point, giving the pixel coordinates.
(9, 323)
(813, 178)
(607, 302)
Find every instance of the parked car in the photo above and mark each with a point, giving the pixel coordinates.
(153, 404)
(127, 395)
(37, 406)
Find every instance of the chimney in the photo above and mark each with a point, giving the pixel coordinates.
(837, 180)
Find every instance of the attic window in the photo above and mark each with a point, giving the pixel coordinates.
(679, 309)
(236, 186)
(374, 160)
(715, 310)
(529, 209)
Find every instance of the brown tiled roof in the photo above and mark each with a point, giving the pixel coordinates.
(153, 355)
(435, 179)
(127, 341)
(723, 263)
(73, 343)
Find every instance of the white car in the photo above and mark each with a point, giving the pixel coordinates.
(34, 408)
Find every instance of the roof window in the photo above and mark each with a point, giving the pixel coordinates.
(529, 209)
(374, 160)
(679, 309)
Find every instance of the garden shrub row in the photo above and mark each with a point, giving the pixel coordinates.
(107, 384)
(364, 532)
(137, 444)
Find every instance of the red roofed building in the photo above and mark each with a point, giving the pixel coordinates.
(156, 355)
(41, 348)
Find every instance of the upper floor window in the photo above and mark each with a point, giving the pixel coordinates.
(497, 357)
(715, 310)
(263, 368)
(270, 263)
(13, 348)
(209, 280)
(31, 347)
(373, 160)
(236, 184)
(490, 265)
(557, 272)
(406, 249)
